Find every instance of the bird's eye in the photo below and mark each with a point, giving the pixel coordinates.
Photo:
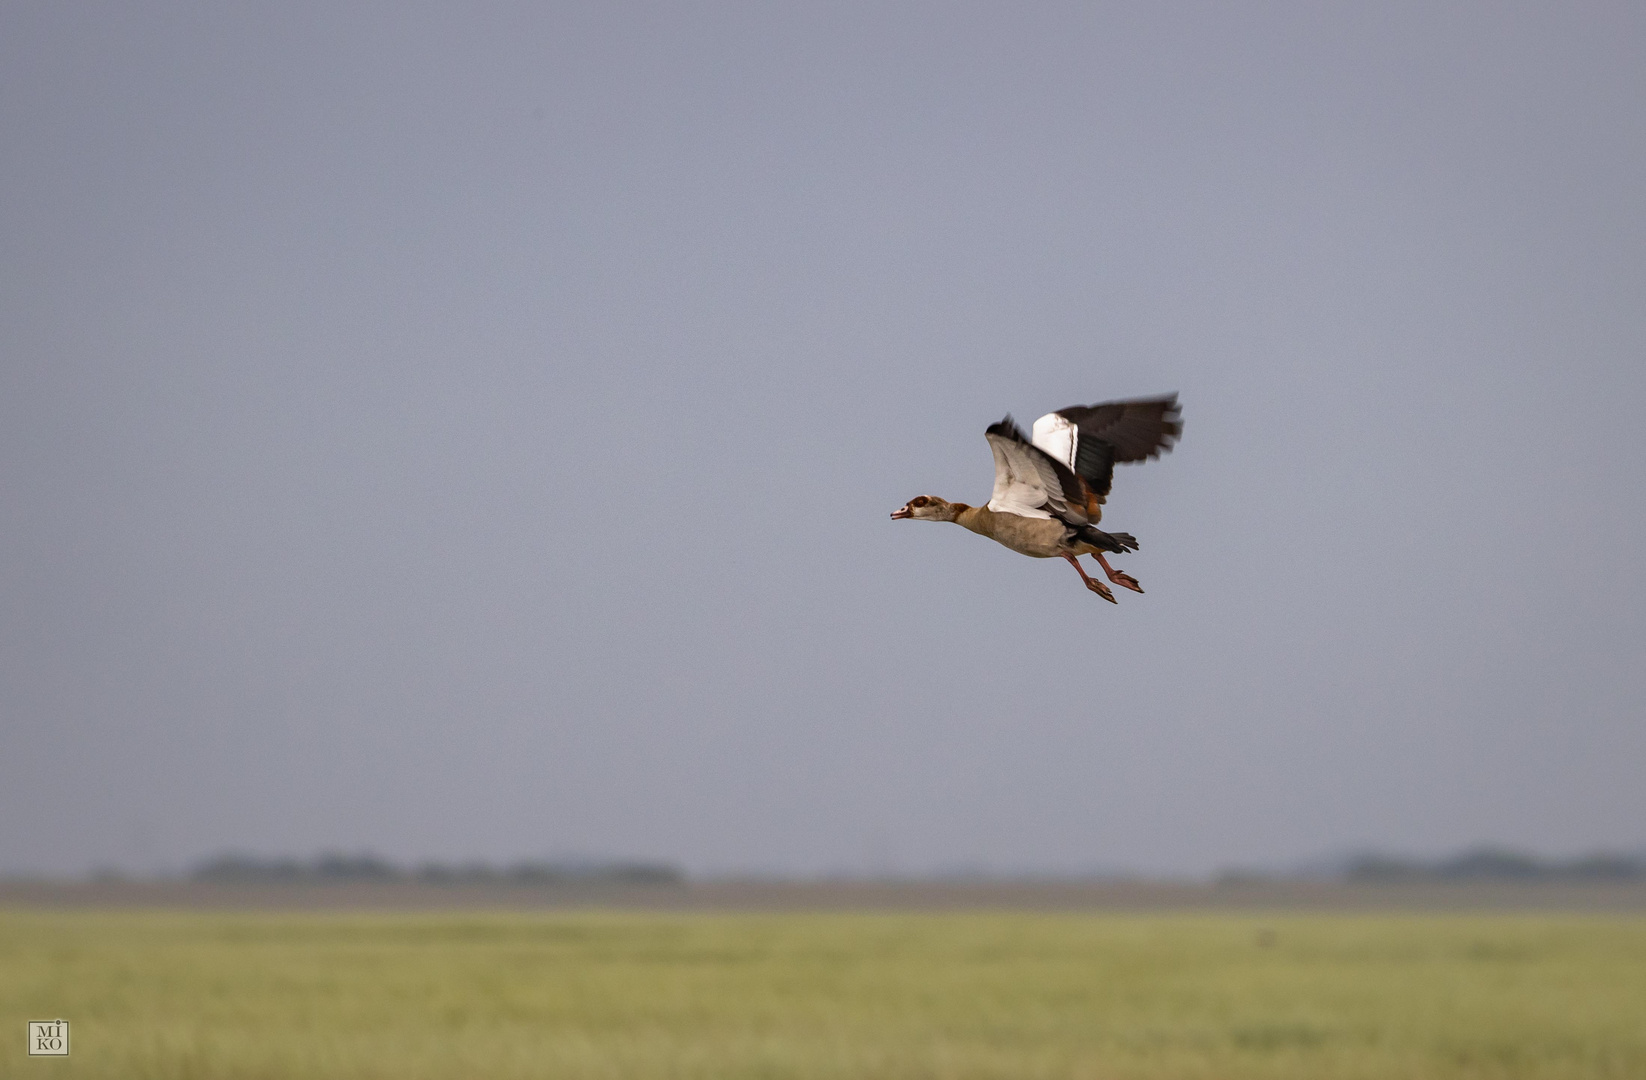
(920, 501)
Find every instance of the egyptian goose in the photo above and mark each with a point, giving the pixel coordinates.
(1049, 492)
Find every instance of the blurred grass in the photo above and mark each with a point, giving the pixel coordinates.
(605, 995)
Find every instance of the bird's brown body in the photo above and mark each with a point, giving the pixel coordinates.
(1038, 538)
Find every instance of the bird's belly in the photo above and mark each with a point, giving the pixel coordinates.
(1039, 538)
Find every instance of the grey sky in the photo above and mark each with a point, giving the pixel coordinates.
(470, 431)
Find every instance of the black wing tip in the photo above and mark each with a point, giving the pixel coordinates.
(1007, 429)
(1153, 399)
(1171, 416)
(1167, 419)
(1166, 401)
(1171, 413)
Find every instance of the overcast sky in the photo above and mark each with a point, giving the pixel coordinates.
(467, 431)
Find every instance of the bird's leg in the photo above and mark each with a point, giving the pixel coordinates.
(1125, 581)
(1091, 583)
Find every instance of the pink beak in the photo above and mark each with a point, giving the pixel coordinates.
(898, 515)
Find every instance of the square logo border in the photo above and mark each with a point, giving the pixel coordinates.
(33, 1024)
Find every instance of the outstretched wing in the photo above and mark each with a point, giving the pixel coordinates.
(1091, 439)
(1029, 482)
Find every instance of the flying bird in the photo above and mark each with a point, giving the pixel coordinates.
(1049, 491)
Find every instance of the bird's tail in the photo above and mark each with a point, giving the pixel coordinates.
(1103, 541)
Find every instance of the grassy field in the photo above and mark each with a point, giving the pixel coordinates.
(906, 996)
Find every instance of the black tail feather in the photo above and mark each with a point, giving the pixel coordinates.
(1115, 542)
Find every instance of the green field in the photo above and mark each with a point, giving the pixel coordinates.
(908, 996)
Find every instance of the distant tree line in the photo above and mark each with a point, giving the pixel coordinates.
(1496, 864)
(333, 867)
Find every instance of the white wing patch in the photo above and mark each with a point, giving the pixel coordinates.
(1018, 485)
(1059, 438)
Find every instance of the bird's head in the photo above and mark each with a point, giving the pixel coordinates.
(928, 508)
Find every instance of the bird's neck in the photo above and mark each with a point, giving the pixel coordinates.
(970, 517)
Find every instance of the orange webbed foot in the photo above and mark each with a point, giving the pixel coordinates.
(1102, 590)
(1125, 581)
